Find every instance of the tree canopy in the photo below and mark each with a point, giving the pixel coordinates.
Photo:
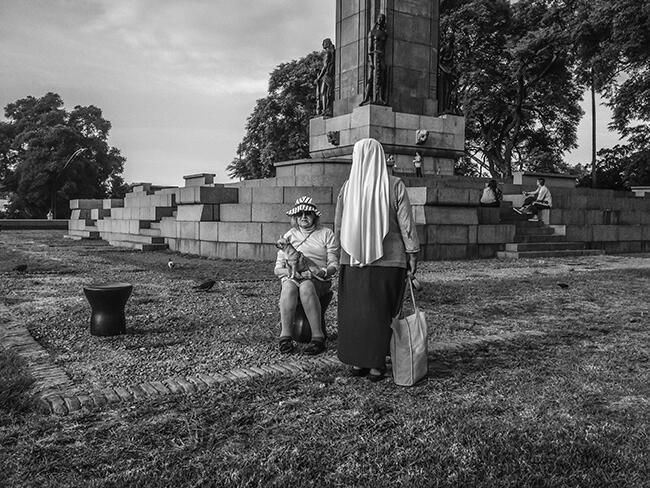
(278, 128)
(49, 155)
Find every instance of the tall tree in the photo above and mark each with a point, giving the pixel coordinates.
(49, 156)
(278, 128)
(515, 85)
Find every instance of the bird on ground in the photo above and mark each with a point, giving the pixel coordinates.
(21, 268)
(563, 285)
(171, 264)
(205, 286)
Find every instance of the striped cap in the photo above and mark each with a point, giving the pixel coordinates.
(304, 204)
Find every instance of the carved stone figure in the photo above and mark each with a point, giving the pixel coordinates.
(447, 78)
(421, 136)
(334, 137)
(325, 80)
(375, 91)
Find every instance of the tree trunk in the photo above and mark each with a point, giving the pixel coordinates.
(594, 179)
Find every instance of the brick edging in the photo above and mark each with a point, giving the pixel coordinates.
(62, 403)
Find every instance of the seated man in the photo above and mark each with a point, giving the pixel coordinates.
(491, 196)
(536, 200)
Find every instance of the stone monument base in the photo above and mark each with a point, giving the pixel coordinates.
(439, 140)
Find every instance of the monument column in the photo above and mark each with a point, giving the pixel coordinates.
(405, 118)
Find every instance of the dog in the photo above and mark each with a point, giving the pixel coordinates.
(297, 262)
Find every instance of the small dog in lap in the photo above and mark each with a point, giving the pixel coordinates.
(297, 262)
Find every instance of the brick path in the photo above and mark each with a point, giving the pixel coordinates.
(55, 392)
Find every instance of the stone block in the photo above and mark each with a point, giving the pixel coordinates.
(579, 233)
(267, 194)
(188, 230)
(271, 232)
(207, 195)
(451, 234)
(495, 234)
(573, 217)
(240, 232)
(320, 195)
(245, 195)
(455, 196)
(235, 212)
(451, 215)
(411, 55)
(80, 214)
(256, 252)
(622, 246)
(487, 251)
(413, 7)
(86, 204)
(630, 232)
(489, 215)
(630, 217)
(440, 252)
(109, 203)
(188, 246)
(419, 214)
(220, 250)
(168, 228)
(407, 121)
(316, 127)
(209, 231)
(197, 213)
(645, 232)
(605, 233)
(200, 179)
(286, 180)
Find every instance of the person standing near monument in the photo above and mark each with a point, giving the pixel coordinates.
(325, 80)
(417, 162)
(379, 245)
(376, 82)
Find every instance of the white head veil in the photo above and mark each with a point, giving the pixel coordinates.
(364, 222)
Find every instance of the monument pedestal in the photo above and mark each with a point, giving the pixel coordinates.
(439, 140)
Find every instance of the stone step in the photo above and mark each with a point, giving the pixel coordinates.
(543, 246)
(527, 223)
(534, 230)
(83, 234)
(548, 254)
(141, 238)
(139, 246)
(540, 238)
(150, 232)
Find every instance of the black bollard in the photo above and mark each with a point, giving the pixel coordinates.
(107, 302)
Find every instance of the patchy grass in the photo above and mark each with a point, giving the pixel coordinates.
(15, 382)
(529, 384)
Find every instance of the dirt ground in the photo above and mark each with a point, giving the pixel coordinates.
(174, 330)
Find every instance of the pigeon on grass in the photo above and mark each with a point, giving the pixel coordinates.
(205, 286)
(171, 264)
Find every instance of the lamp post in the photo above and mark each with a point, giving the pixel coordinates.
(57, 174)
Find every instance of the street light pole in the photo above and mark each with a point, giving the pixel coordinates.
(57, 174)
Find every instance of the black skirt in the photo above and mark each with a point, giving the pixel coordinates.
(369, 298)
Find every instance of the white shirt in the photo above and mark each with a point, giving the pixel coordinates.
(544, 195)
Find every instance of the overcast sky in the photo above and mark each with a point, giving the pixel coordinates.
(176, 78)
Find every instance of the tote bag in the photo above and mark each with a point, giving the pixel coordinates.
(408, 346)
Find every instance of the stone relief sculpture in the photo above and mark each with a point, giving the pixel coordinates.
(447, 103)
(421, 136)
(376, 81)
(325, 80)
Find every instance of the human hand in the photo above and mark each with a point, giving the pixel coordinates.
(308, 275)
(322, 273)
(412, 264)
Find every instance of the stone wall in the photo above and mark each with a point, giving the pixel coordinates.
(243, 220)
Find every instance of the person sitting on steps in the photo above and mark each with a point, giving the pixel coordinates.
(491, 196)
(536, 200)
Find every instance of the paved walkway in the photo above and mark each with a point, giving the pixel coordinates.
(55, 392)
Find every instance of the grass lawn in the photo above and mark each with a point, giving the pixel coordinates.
(530, 384)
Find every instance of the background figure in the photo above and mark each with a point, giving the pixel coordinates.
(379, 243)
(536, 200)
(491, 196)
(325, 80)
(376, 81)
(417, 162)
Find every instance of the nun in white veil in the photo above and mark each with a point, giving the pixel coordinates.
(379, 243)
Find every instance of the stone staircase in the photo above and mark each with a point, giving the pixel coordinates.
(538, 240)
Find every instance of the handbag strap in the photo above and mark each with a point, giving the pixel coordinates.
(401, 305)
